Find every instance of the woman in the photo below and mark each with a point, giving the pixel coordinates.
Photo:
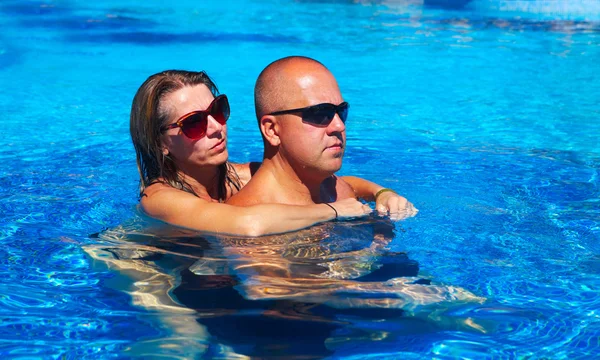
(179, 132)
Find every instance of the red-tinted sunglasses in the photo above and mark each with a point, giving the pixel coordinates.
(194, 124)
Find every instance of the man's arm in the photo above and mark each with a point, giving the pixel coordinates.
(386, 201)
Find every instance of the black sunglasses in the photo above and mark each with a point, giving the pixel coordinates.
(320, 114)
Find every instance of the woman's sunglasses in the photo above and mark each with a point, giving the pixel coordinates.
(194, 124)
(320, 114)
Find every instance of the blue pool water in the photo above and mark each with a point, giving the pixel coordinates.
(485, 114)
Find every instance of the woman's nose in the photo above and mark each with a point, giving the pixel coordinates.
(213, 127)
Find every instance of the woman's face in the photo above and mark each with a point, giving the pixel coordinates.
(188, 154)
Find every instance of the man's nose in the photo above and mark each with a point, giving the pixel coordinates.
(336, 124)
(213, 127)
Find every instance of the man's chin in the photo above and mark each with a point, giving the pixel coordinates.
(333, 166)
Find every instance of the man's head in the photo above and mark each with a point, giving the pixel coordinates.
(311, 138)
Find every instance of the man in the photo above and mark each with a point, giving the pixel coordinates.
(301, 115)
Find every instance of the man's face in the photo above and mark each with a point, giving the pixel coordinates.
(313, 149)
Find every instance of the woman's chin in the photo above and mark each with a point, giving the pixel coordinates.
(221, 157)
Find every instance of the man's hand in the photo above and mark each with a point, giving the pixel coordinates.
(397, 206)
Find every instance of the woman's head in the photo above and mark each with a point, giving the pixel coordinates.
(163, 109)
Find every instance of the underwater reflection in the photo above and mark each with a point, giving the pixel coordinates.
(275, 296)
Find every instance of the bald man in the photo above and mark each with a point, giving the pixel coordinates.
(301, 115)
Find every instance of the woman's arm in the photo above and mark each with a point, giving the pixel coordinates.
(386, 201)
(183, 209)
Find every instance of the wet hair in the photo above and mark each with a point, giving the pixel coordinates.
(148, 115)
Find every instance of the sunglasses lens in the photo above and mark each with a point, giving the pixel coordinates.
(342, 111)
(220, 109)
(323, 114)
(319, 115)
(194, 127)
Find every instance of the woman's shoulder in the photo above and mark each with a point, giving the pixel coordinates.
(161, 200)
(155, 188)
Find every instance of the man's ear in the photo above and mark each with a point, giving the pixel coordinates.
(270, 129)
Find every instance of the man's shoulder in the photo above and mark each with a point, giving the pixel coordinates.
(245, 171)
(343, 189)
(239, 199)
(254, 192)
(334, 188)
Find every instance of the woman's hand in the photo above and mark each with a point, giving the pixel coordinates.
(397, 206)
(350, 208)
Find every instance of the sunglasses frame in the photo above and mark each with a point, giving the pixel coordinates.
(314, 108)
(180, 123)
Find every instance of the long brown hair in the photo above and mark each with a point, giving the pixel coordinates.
(147, 116)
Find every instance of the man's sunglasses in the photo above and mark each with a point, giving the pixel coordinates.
(194, 124)
(320, 114)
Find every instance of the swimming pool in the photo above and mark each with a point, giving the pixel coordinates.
(483, 114)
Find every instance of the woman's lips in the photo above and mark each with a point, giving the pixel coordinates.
(219, 146)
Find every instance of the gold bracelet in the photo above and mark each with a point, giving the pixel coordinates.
(382, 191)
